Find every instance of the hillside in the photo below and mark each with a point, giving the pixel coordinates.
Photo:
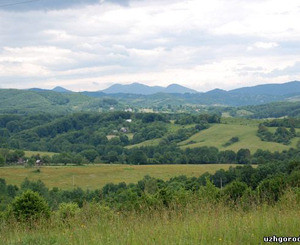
(37, 101)
(277, 109)
(218, 134)
(270, 89)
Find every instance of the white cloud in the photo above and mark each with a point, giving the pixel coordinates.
(201, 44)
(265, 45)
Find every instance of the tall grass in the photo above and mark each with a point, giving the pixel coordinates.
(199, 222)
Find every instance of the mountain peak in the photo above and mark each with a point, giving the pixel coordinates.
(61, 90)
(178, 89)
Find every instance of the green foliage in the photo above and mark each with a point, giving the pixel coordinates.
(68, 210)
(282, 135)
(285, 122)
(209, 192)
(2, 160)
(274, 110)
(271, 189)
(231, 141)
(33, 102)
(90, 155)
(235, 190)
(243, 156)
(30, 206)
(198, 119)
(137, 157)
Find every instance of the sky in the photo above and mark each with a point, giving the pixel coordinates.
(88, 45)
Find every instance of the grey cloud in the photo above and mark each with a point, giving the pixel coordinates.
(45, 5)
(108, 38)
(290, 70)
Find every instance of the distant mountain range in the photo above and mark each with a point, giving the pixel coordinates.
(140, 95)
(138, 88)
(119, 97)
(57, 89)
(288, 88)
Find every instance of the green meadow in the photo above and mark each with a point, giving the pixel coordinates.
(96, 176)
(219, 134)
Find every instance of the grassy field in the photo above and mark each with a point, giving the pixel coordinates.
(145, 143)
(195, 224)
(96, 176)
(218, 134)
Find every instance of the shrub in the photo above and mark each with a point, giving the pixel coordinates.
(209, 192)
(294, 179)
(68, 210)
(30, 206)
(235, 190)
(270, 190)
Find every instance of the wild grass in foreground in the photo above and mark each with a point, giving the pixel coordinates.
(200, 222)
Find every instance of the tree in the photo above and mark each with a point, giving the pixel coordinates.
(137, 157)
(243, 156)
(2, 161)
(112, 156)
(271, 189)
(46, 159)
(90, 154)
(30, 206)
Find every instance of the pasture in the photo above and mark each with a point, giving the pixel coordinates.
(218, 134)
(96, 176)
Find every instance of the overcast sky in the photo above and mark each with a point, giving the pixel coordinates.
(92, 44)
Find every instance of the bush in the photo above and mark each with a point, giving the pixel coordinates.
(30, 206)
(235, 190)
(68, 210)
(270, 190)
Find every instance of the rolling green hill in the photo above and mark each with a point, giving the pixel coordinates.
(219, 134)
(29, 101)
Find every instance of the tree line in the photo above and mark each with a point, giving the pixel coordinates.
(244, 185)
